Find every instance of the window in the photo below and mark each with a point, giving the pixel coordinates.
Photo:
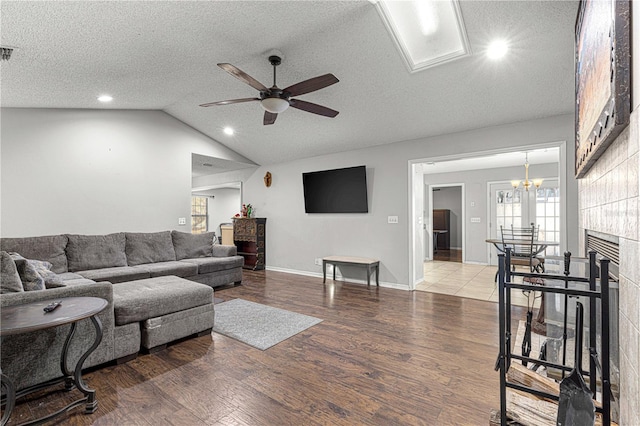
(199, 215)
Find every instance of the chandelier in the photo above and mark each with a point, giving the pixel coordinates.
(526, 184)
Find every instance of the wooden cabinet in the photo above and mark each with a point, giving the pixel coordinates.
(441, 228)
(249, 237)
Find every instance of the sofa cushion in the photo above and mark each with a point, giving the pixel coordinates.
(189, 245)
(160, 269)
(71, 278)
(214, 264)
(115, 275)
(50, 248)
(67, 276)
(86, 252)
(144, 299)
(10, 281)
(78, 281)
(149, 247)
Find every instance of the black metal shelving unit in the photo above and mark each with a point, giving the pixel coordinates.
(599, 364)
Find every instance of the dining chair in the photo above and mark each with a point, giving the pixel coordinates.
(522, 242)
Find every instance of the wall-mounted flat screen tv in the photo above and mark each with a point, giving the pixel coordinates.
(336, 191)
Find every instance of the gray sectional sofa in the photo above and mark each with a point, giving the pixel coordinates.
(159, 288)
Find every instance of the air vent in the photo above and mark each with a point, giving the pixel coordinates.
(606, 246)
(6, 53)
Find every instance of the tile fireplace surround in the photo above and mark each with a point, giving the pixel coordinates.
(608, 203)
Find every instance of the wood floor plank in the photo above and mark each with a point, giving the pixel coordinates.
(379, 357)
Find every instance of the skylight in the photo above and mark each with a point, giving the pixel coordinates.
(427, 32)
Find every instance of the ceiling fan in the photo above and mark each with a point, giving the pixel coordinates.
(275, 100)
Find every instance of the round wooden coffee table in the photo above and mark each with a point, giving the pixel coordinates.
(30, 317)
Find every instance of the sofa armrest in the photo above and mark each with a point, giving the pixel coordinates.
(102, 289)
(220, 250)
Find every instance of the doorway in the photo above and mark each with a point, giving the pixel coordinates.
(476, 171)
(446, 212)
(223, 202)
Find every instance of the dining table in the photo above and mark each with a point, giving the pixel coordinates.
(539, 245)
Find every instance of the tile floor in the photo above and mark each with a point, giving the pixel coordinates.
(465, 280)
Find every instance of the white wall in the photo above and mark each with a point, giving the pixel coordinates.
(295, 239)
(450, 198)
(224, 204)
(97, 171)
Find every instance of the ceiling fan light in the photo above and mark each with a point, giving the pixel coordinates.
(274, 105)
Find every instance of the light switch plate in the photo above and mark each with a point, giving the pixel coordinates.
(475, 220)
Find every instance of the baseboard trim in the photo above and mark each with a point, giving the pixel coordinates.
(338, 278)
(473, 262)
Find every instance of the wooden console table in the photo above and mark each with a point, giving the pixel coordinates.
(30, 317)
(370, 264)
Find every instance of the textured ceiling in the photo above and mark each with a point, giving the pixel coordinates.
(163, 55)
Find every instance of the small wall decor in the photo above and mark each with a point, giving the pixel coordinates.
(267, 179)
(602, 78)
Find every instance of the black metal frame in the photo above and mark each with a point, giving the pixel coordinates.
(71, 379)
(505, 356)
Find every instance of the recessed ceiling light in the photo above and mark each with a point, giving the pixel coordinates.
(105, 98)
(228, 131)
(497, 49)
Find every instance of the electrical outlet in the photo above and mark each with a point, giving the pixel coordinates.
(182, 221)
(318, 261)
(392, 219)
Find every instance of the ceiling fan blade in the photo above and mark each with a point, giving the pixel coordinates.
(243, 76)
(230, 101)
(311, 85)
(314, 108)
(269, 118)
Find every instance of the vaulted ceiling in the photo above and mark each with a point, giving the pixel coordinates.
(163, 55)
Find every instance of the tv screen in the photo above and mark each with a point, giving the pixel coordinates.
(336, 191)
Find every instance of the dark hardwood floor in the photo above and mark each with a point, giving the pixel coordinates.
(380, 357)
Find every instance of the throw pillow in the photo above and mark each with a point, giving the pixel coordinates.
(9, 278)
(43, 268)
(31, 279)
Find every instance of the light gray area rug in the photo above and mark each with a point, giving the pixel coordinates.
(259, 325)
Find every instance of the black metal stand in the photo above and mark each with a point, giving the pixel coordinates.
(505, 285)
(71, 380)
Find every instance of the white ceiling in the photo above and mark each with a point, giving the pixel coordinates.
(163, 55)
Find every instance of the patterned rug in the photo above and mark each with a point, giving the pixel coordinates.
(259, 325)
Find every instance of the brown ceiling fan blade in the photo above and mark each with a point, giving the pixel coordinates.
(311, 85)
(314, 108)
(269, 118)
(243, 76)
(230, 101)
